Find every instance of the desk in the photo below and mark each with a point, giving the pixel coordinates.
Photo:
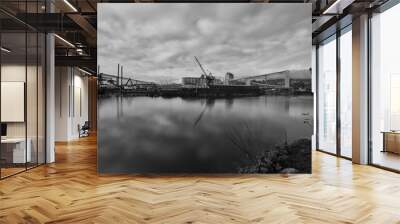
(391, 141)
(17, 152)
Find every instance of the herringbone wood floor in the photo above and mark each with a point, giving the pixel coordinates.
(70, 191)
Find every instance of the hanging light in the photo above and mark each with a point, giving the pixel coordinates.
(84, 71)
(337, 7)
(5, 50)
(70, 5)
(64, 40)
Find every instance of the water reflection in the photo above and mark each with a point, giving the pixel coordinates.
(175, 135)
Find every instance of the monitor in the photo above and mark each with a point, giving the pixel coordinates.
(3, 129)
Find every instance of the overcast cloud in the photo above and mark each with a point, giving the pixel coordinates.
(158, 42)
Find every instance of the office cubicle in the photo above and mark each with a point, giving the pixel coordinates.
(22, 78)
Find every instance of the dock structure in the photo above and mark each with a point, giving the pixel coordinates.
(288, 82)
(283, 79)
(119, 84)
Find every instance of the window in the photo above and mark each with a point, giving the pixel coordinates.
(334, 106)
(327, 96)
(346, 93)
(385, 89)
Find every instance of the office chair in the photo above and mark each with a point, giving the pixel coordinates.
(84, 130)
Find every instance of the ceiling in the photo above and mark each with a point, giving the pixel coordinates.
(75, 21)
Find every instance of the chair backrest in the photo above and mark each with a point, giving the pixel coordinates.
(3, 129)
(86, 125)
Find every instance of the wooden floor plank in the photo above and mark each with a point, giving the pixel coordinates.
(71, 191)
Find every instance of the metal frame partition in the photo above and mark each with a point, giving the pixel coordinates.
(339, 79)
(338, 96)
(369, 106)
(340, 30)
(382, 8)
(0, 93)
(35, 45)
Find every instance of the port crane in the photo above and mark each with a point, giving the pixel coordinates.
(209, 77)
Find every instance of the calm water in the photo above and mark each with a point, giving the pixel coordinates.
(175, 135)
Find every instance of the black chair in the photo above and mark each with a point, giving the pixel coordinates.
(84, 130)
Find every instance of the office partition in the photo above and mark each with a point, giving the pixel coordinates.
(22, 77)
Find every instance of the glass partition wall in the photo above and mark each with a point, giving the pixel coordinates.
(13, 109)
(327, 95)
(22, 107)
(385, 89)
(334, 105)
(345, 108)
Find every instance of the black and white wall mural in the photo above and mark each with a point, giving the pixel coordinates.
(204, 88)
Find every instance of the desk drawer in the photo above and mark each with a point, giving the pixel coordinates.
(15, 152)
(6, 154)
(392, 142)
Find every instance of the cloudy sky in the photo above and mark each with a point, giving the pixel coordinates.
(158, 42)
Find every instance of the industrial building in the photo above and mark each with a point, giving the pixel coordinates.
(194, 81)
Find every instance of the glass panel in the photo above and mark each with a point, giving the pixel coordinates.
(41, 99)
(13, 90)
(77, 110)
(31, 98)
(314, 78)
(23, 90)
(32, 89)
(346, 94)
(327, 96)
(385, 84)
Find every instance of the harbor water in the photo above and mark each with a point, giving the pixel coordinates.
(192, 135)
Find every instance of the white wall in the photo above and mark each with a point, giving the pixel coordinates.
(81, 102)
(12, 101)
(71, 102)
(12, 73)
(33, 126)
(17, 73)
(62, 82)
